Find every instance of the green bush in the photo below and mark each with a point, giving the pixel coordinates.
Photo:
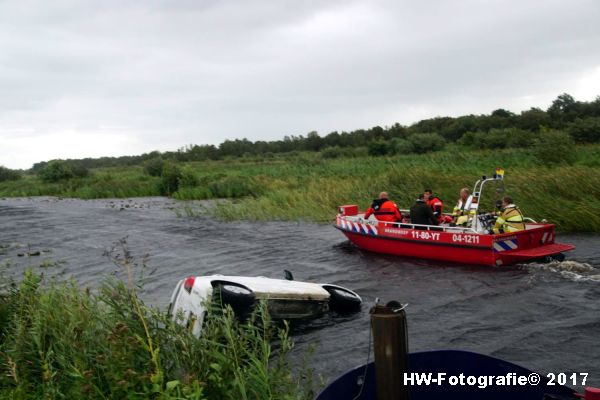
(402, 146)
(520, 138)
(154, 166)
(507, 137)
(426, 142)
(79, 170)
(471, 139)
(343, 152)
(585, 130)
(7, 174)
(494, 139)
(169, 178)
(188, 177)
(498, 138)
(360, 151)
(332, 152)
(60, 170)
(554, 147)
(378, 148)
(56, 171)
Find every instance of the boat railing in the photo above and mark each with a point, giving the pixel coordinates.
(408, 225)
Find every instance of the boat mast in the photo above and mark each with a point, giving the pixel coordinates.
(474, 199)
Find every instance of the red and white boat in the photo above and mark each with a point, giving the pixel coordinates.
(470, 244)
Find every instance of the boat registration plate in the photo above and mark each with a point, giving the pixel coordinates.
(462, 238)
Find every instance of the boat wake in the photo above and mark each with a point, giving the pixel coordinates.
(572, 270)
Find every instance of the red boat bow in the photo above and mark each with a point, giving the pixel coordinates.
(450, 243)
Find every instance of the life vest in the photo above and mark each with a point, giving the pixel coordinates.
(459, 208)
(511, 220)
(384, 210)
(437, 207)
(459, 213)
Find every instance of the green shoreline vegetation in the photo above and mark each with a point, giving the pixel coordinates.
(60, 341)
(551, 158)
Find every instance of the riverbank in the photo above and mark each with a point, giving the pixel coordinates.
(61, 341)
(310, 186)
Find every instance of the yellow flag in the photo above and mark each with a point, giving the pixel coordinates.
(500, 172)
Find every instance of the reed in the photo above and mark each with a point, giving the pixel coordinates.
(565, 195)
(59, 341)
(310, 186)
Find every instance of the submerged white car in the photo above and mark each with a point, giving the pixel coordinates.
(286, 299)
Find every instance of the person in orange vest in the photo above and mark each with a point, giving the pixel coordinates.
(436, 205)
(384, 209)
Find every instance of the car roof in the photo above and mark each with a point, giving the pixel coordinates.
(276, 288)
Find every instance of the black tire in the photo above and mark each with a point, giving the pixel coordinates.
(240, 298)
(342, 300)
(560, 257)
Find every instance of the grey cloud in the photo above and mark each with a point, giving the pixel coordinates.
(172, 73)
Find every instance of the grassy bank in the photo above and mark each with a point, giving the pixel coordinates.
(566, 195)
(310, 186)
(58, 341)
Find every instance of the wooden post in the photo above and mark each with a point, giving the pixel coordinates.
(391, 352)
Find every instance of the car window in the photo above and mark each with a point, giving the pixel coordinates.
(174, 298)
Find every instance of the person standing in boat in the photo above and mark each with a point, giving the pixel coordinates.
(384, 209)
(421, 214)
(511, 219)
(460, 214)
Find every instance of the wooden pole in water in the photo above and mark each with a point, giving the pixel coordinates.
(390, 343)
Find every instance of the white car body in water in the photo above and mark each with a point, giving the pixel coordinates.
(286, 299)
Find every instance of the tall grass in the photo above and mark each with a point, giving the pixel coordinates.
(58, 341)
(565, 195)
(102, 183)
(310, 186)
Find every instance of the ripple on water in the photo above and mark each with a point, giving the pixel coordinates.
(569, 269)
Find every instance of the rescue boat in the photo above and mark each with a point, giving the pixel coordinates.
(471, 243)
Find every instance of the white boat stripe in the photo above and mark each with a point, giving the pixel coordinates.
(497, 247)
(511, 243)
(356, 227)
(374, 230)
(544, 237)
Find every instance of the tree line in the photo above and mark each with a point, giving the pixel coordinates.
(578, 120)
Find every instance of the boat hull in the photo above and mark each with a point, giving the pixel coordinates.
(451, 244)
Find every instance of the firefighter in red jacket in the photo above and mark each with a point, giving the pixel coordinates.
(436, 205)
(384, 209)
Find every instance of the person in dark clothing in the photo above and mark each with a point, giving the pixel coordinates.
(421, 213)
(384, 209)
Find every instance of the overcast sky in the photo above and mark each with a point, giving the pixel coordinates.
(107, 78)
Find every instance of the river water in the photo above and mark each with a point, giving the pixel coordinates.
(544, 317)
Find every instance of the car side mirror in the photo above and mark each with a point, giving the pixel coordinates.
(288, 275)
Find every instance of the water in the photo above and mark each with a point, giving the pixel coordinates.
(544, 317)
